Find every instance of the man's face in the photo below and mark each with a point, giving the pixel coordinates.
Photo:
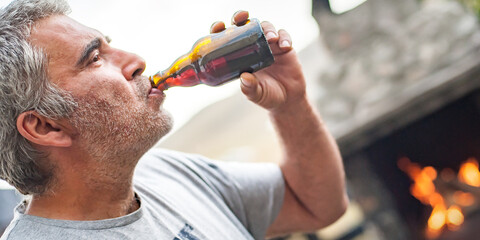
(118, 114)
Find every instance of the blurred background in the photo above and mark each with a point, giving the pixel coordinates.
(397, 83)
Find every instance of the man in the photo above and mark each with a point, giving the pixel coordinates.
(78, 117)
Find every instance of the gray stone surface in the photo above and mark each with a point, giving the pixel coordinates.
(386, 53)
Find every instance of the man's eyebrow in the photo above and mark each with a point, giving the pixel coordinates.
(92, 46)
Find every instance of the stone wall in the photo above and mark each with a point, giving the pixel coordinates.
(382, 48)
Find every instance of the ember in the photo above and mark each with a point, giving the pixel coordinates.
(469, 173)
(448, 198)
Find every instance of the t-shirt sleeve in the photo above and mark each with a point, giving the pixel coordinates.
(252, 191)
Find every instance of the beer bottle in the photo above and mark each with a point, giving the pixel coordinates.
(219, 58)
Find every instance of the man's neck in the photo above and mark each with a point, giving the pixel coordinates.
(94, 195)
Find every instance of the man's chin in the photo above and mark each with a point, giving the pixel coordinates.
(120, 132)
(159, 127)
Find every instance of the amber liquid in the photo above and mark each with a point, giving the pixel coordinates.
(219, 58)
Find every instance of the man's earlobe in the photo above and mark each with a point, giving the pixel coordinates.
(43, 131)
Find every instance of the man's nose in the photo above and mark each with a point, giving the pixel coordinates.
(132, 65)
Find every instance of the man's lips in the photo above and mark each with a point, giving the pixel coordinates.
(155, 91)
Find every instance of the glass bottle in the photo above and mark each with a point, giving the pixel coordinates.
(219, 58)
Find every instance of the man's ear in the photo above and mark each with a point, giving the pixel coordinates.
(43, 131)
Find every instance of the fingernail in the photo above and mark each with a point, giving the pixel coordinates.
(270, 35)
(285, 43)
(213, 24)
(238, 12)
(246, 82)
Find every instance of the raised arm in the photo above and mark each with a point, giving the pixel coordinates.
(312, 166)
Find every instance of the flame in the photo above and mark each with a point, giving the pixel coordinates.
(454, 217)
(441, 217)
(437, 219)
(435, 199)
(469, 173)
(423, 189)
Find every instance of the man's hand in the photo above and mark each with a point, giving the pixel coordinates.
(280, 85)
(312, 167)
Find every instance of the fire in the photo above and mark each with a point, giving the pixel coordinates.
(436, 221)
(454, 217)
(444, 215)
(423, 187)
(469, 173)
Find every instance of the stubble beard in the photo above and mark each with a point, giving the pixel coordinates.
(118, 133)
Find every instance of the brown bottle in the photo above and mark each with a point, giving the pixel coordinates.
(219, 58)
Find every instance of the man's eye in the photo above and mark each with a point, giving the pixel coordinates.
(96, 58)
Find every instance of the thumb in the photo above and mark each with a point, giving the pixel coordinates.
(250, 87)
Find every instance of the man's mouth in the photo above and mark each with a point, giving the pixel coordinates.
(154, 91)
(146, 90)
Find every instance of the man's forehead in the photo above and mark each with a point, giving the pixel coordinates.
(63, 40)
(59, 30)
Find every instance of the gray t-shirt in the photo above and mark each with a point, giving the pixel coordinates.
(183, 197)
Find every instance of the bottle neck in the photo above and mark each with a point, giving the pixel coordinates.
(187, 76)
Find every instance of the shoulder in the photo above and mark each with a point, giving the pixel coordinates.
(165, 155)
(158, 157)
(20, 229)
(7, 235)
(14, 228)
(161, 163)
(163, 160)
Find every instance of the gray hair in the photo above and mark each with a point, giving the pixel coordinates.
(24, 86)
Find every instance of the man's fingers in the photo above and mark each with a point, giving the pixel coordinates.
(240, 18)
(284, 41)
(217, 27)
(281, 44)
(250, 87)
(270, 32)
